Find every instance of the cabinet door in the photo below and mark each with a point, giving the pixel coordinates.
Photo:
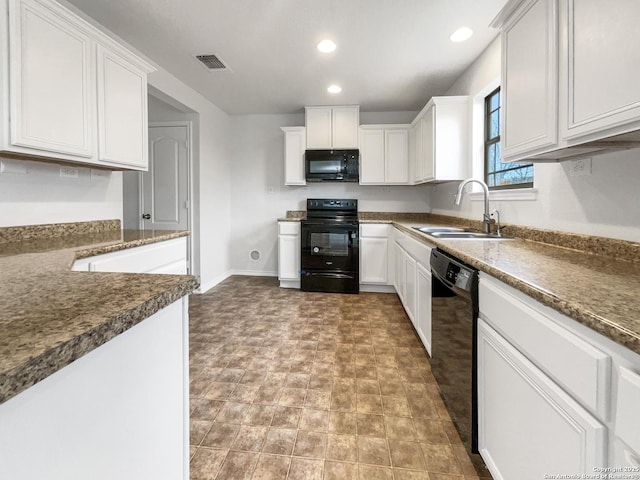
(372, 165)
(427, 158)
(528, 426)
(415, 153)
(602, 65)
(530, 78)
(52, 93)
(400, 279)
(373, 260)
(627, 422)
(122, 111)
(294, 146)
(344, 127)
(318, 124)
(289, 257)
(396, 148)
(423, 305)
(410, 288)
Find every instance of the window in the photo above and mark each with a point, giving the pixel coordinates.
(500, 175)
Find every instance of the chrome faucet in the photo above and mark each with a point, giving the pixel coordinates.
(486, 218)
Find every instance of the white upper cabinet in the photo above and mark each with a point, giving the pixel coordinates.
(440, 140)
(570, 75)
(602, 66)
(530, 79)
(73, 94)
(332, 127)
(384, 154)
(294, 147)
(50, 65)
(122, 111)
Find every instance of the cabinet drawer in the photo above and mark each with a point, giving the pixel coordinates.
(578, 366)
(288, 228)
(374, 230)
(628, 400)
(420, 251)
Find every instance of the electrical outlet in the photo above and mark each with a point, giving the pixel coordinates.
(97, 173)
(69, 172)
(579, 168)
(10, 166)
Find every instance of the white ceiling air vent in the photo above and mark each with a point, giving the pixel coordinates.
(213, 63)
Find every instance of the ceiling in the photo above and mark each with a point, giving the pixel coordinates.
(392, 55)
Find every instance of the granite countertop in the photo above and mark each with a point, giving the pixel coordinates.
(592, 280)
(50, 316)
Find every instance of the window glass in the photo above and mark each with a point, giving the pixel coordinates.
(500, 175)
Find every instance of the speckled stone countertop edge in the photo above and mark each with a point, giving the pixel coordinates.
(40, 367)
(104, 236)
(602, 325)
(52, 230)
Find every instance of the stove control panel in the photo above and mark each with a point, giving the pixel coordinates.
(332, 204)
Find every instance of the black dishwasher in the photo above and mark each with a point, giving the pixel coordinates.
(454, 320)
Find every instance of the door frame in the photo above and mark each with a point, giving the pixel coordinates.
(190, 241)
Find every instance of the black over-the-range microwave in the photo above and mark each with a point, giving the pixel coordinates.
(332, 165)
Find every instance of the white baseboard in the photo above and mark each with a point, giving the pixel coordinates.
(290, 284)
(205, 287)
(254, 273)
(377, 288)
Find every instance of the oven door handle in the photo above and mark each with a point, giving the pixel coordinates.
(330, 275)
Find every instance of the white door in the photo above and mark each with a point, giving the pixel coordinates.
(165, 186)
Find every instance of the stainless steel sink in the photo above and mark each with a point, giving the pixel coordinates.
(454, 233)
(430, 230)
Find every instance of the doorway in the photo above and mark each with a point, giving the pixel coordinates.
(165, 192)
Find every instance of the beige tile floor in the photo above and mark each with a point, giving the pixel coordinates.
(296, 385)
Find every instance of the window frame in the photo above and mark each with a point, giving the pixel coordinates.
(489, 141)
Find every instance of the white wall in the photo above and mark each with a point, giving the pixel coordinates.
(212, 182)
(604, 203)
(259, 195)
(42, 196)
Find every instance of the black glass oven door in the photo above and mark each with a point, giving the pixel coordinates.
(326, 247)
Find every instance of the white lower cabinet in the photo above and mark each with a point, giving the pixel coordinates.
(423, 305)
(120, 411)
(554, 397)
(376, 265)
(413, 283)
(529, 428)
(627, 420)
(289, 254)
(167, 257)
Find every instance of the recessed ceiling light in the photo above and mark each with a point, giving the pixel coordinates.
(334, 89)
(461, 34)
(326, 46)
